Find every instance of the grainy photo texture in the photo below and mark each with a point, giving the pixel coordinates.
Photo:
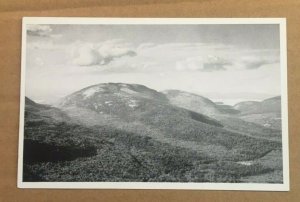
(194, 103)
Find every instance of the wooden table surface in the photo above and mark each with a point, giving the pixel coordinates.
(11, 13)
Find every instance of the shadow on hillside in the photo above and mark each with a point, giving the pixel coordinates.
(35, 152)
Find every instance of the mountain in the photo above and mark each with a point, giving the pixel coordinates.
(266, 106)
(197, 103)
(129, 132)
(127, 102)
(38, 112)
(266, 113)
(57, 149)
(272, 105)
(231, 118)
(50, 135)
(141, 110)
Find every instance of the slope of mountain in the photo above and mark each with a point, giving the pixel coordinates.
(50, 131)
(192, 102)
(272, 105)
(227, 109)
(243, 125)
(197, 103)
(36, 113)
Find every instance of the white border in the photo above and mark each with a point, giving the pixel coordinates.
(161, 185)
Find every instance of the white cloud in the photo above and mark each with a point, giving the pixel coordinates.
(207, 64)
(39, 30)
(145, 46)
(56, 36)
(42, 31)
(113, 56)
(192, 57)
(254, 62)
(46, 45)
(87, 54)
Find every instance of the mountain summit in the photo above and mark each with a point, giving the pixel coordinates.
(127, 102)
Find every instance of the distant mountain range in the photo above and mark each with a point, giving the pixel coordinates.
(198, 103)
(266, 106)
(257, 121)
(266, 113)
(146, 125)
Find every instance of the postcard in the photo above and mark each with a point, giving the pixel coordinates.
(154, 103)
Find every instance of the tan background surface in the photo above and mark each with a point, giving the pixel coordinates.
(11, 13)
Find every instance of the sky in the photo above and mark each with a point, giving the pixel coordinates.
(227, 63)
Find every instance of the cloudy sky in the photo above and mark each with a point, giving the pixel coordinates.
(230, 62)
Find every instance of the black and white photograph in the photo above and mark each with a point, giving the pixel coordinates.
(154, 103)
